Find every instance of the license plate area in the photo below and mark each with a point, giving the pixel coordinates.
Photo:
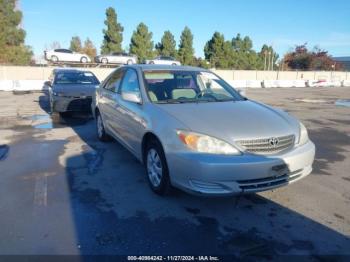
(279, 170)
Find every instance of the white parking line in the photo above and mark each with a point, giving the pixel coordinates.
(40, 191)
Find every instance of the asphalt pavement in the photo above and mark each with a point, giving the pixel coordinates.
(64, 192)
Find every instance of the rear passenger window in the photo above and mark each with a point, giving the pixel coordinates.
(114, 82)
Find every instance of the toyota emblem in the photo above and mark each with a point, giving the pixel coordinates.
(273, 141)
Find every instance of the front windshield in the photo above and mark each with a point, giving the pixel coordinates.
(187, 87)
(87, 78)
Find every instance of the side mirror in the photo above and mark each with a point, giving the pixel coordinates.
(133, 97)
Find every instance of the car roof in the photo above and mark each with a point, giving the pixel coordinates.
(145, 67)
(69, 70)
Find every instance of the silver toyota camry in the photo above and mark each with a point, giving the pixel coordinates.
(193, 131)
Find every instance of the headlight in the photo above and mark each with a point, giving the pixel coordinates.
(206, 144)
(303, 136)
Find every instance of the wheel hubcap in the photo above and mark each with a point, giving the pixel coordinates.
(99, 126)
(154, 167)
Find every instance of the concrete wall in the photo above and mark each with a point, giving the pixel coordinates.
(42, 73)
(26, 77)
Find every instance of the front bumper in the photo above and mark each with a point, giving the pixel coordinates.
(229, 175)
(66, 104)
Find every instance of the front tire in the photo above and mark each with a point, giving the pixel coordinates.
(130, 62)
(104, 61)
(157, 168)
(101, 132)
(54, 59)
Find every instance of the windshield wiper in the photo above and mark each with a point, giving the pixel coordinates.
(225, 100)
(170, 101)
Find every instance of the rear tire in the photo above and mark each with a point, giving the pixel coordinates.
(84, 60)
(104, 61)
(157, 168)
(151, 62)
(100, 129)
(130, 62)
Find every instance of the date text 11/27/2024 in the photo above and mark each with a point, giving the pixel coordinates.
(173, 258)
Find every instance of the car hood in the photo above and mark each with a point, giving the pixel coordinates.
(232, 121)
(75, 90)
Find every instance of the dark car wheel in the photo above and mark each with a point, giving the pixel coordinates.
(54, 59)
(104, 61)
(129, 62)
(151, 62)
(83, 60)
(157, 168)
(101, 132)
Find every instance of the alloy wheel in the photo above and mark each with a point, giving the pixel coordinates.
(154, 167)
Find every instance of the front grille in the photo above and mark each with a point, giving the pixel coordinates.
(268, 182)
(265, 147)
(80, 105)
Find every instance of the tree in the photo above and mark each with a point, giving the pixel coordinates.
(141, 43)
(89, 48)
(12, 37)
(322, 61)
(53, 45)
(244, 57)
(167, 45)
(218, 51)
(197, 61)
(302, 59)
(268, 58)
(75, 44)
(186, 50)
(113, 35)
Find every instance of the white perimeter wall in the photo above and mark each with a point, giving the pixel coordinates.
(32, 78)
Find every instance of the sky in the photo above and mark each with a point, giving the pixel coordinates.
(280, 23)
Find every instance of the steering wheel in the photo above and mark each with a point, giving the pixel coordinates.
(206, 93)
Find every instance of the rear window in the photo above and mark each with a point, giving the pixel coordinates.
(86, 78)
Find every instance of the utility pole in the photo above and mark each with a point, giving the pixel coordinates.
(272, 60)
(269, 61)
(265, 53)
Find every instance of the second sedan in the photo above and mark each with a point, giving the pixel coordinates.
(71, 90)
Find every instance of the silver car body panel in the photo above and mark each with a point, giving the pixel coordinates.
(201, 173)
